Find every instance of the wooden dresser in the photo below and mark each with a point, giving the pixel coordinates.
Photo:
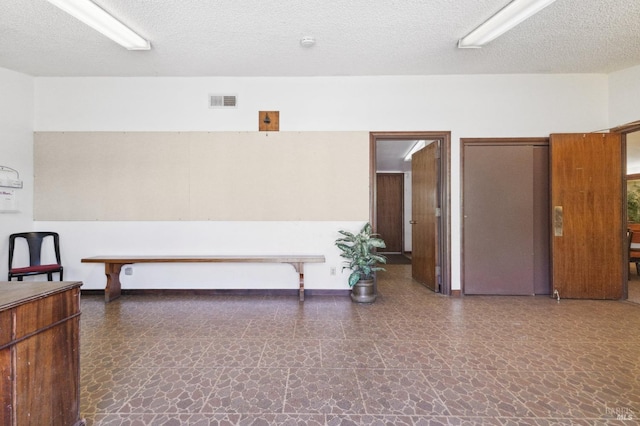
(40, 353)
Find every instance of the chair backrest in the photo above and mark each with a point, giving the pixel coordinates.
(34, 241)
(635, 237)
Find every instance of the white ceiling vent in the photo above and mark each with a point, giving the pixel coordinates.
(223, 101)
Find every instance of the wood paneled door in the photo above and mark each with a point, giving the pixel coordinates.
(588, 258)
(424, 223)
(389, 210)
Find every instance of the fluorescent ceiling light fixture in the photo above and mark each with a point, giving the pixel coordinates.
(507, 18)
(94, 16)
(415, 148)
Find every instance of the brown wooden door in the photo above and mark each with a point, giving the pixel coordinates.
(424, 196)
(389, 208)
(587, 216)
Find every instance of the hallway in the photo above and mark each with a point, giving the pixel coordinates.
(412, 358)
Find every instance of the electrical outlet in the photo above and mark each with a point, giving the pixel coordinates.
(332, 270)
(128, 270)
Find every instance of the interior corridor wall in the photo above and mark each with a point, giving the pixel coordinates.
(468, 106)
(16, 152)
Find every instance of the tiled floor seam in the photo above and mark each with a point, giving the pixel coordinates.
(286, 390)
(362, 398)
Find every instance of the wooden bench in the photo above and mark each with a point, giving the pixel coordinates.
(113, 265)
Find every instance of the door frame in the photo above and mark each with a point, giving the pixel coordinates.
(444, 238)
(624, 130)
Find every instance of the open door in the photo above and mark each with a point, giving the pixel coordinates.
(587, 216)
(424, 206)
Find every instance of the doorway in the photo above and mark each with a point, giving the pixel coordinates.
(441, 244)
(630, 135)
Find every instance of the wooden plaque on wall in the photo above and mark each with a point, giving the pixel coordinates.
(269, 121)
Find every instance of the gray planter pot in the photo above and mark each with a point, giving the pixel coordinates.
(364, 291)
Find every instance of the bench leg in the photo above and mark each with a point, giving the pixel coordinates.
(299, 267)
(301, 286)
(113, 289)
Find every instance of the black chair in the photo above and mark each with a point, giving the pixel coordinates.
(35, 241)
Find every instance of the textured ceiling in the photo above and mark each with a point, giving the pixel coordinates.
(354, 37)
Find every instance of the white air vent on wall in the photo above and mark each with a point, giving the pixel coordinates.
(223, 101)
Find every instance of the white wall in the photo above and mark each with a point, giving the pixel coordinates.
(84, 239)
(468, 106)
(624, 96)
(16, 151)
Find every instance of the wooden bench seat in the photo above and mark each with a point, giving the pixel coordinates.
(113, 265)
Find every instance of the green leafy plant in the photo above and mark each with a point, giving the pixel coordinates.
(633, 206)
(360, 251)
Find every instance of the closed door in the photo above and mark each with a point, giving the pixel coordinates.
(587, 215)
(498, 219)
(390, 199)
(424, 223)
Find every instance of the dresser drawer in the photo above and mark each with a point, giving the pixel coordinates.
(38, 314)
(5, 327)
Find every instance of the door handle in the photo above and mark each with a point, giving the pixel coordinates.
(557, 221)
(412, 222)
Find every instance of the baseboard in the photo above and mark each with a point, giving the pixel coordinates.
(225, 292)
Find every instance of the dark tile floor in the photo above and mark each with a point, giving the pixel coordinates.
(412, 358)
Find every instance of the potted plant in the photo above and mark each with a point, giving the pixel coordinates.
(360, 251)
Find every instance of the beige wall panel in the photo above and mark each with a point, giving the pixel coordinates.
(111, 176)
(201, 176)
(280, 176)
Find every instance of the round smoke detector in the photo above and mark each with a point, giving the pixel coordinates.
(307, 41)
